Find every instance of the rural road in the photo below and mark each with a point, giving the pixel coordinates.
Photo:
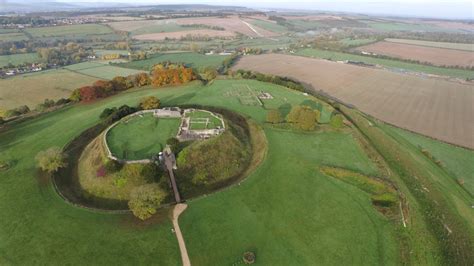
(178, 209)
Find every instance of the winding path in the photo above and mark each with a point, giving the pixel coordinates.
(178, 209)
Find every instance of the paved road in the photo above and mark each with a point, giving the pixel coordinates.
(178, 209)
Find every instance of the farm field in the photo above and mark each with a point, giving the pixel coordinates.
(388, 63)
(207, 224)
(231, 24)
(355, 42)
(447, 45)
(147, 26)
(433, 55)
(12, 37)
(69, 30)
(32, 89)
(184, 33)
(101, 71)
(140, 138)
(16, 59)
(268, 25)
(442, 108)
(191, 59)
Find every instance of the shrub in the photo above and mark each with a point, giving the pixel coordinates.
(113, 166)
(249, 257)
(145, 199)
(173, 143)
(51, 159)
(2, 121)
(150, 102)
(107, 112)
(274, 116)
(303, 117)
(337, 121)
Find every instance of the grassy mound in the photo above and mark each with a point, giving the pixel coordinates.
(210, 164)
(141, 137)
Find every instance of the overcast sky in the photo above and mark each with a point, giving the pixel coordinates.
(456, 9)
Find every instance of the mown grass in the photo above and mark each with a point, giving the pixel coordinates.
(140, 138)
(195, 60)
(286, 210)
(395, 64)
(17, 59)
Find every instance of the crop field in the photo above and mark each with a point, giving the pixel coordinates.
(395, 65)
(32, 89)
(101, 71)
(433, 55)
(231, 24)
(141, 137)
(447, 45)
(69, 30)
(195, 60)
(12, 37)
(443, 109)
(402, 26)
(16, 59)
(209, 223)
(180, 34)
(147, 26)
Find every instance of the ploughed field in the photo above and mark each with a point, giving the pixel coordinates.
(432, 107)
(433, 55)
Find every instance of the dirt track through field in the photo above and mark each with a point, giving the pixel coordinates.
(437, 108)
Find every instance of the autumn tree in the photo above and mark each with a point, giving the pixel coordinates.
(149, 103)
(274, 116)
(120, 83)
(209, 74)
(145, 199)
(303, 117)
(51, 159)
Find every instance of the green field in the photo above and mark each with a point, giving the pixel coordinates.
(32, 89)
(17, 59)
(259, 203)
(194, 60)
(12, 37)
(286, 211)
(163, 27)
(400, 26)
(269, 26)
(100, 70)
(69, 30)
(392, 64)
(141, 137)
(356, 42)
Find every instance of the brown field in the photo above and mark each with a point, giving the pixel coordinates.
(178, 34)
(32, 89)
(436, 108)
(433, 55)
(136, 24)
(314, 17)
(232, 24)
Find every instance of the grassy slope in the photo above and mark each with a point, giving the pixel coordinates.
(459, 162)
(269, 26)
(39, 227)
(290, 214)
(17, 59)
(338, 56)
(132, 140)
(12, 37)
(191, 59)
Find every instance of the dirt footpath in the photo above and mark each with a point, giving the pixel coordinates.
(178, 209)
